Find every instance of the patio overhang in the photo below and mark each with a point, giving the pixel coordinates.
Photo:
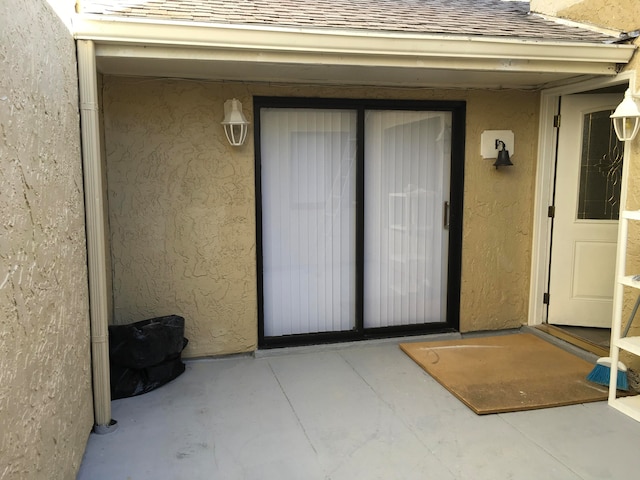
(141, 47)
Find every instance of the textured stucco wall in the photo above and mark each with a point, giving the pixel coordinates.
(496, 249)
(182, 213)
(182, 206)
(633, 203)
(551, 7)
(46, 409)
(619, 15)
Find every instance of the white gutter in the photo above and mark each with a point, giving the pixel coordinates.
(96, 243)
(353, 47)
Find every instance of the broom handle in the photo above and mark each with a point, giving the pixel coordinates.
(633, 314)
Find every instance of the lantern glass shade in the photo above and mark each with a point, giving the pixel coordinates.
(235, 124)
(626, 118)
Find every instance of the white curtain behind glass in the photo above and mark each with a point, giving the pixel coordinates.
(407, 165)
(308, 220)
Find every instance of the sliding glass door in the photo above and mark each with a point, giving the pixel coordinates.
(354, 213)
(406, 195)
(308, 233)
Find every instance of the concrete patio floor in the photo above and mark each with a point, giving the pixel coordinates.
(363, 411)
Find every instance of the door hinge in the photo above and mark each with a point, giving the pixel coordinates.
(545, 298)
(551, 211)
(556, 121)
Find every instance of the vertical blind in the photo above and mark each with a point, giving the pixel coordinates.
(407, 160)
(308, 179)
(308, 210)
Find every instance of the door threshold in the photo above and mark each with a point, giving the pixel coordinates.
(575, 340)
(262, 352)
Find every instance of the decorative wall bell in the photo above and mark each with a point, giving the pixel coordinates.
(503, 159)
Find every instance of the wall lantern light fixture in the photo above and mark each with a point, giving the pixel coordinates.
(626, 118)
(503, 159)
(235, 123)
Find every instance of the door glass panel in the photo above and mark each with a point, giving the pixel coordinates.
(600, 169)
(308, 220)
(407, 165)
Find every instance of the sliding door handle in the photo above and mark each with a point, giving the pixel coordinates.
(447, 215)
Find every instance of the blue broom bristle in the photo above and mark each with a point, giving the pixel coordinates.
(601, 374)
(623, 381)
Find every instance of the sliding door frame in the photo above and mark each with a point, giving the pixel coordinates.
(458, 119)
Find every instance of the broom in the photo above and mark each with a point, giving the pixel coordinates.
(601, 373)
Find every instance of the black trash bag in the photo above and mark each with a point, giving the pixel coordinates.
(146, 343)
(129, 382)
(145, 355)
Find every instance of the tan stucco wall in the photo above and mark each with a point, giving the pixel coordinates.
(182, 206)
(633, 194)
(498, 213)
(45, 384)
(550, 7)
(182, 214)
(633, 203)
(619, 15)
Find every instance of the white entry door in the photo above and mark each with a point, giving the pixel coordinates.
(588, 178)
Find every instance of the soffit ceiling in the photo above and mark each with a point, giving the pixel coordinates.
(281, 73)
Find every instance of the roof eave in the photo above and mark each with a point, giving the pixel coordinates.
(204, 41)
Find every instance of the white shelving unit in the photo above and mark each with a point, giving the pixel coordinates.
(628, 405)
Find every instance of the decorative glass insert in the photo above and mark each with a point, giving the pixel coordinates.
(600, 169)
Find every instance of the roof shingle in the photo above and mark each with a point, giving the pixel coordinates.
(491, 18)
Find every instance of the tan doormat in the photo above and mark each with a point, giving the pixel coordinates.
(507, 373)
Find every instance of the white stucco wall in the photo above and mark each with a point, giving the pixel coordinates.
(46, 409)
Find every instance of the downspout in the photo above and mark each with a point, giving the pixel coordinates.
(96, 241)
